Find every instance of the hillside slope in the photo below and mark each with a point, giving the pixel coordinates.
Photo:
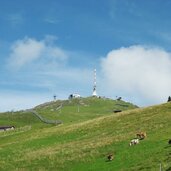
(78, 110)
(67, 111)
(84, 145)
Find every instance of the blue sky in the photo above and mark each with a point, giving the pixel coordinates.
(52, 47)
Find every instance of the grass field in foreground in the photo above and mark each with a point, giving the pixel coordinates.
(84, 145)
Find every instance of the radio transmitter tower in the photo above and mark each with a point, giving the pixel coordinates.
(94, 87)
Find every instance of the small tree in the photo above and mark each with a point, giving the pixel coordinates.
(169, 99)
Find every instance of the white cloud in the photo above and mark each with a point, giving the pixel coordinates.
(139, 73)
(56, 53)
(28, 50)
(25, 51)
(42, 67)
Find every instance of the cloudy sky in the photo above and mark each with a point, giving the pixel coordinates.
(52, 47)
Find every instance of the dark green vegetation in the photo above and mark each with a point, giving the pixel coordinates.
(90, 131)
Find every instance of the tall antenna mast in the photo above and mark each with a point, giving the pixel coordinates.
(94, 87)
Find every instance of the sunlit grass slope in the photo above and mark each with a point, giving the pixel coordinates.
(84, 145)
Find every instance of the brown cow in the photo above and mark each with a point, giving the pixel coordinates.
(141, 135)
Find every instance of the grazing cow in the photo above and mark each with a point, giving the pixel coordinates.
(141, 135)
(169, 141)
(134, 142)
(6, 128)
(110, 157)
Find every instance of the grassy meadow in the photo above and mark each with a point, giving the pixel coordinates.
(90, 131)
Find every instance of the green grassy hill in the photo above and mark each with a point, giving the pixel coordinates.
(90, 131)
(78, 110)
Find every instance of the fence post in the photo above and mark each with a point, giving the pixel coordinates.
(160, 167)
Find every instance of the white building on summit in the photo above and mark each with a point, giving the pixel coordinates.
(74, 96)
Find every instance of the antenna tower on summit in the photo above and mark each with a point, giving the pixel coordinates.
(94, 87)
